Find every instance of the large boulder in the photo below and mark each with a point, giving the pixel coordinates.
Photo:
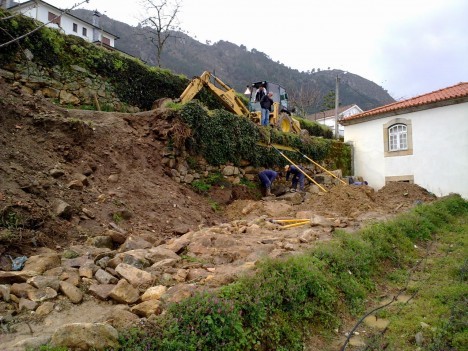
(86, 336)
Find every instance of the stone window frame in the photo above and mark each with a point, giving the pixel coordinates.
(401, 179)
(409, 137)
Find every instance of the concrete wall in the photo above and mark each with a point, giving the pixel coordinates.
(439, 162)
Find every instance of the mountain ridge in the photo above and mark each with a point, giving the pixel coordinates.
(238, 67)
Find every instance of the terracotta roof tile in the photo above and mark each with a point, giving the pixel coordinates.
(459, 90)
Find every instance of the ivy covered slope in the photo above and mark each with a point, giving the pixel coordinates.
(220, 136)
(134, 82)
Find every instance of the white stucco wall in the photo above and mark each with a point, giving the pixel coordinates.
(439, 162)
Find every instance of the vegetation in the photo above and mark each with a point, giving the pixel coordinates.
(220, 145)
(134, 82)
(277, 307)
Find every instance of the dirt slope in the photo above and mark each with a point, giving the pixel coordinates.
(108, 169)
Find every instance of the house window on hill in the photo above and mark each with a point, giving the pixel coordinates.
(106, 41)
(52, 17)
(85, 32)
(75, 27)
(398, 137)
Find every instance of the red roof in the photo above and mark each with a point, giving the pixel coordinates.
(454, 92)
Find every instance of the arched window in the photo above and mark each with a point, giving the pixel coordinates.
(397, 137)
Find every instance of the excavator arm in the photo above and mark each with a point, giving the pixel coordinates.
(226, 95)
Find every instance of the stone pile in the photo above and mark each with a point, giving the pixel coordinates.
(143, 278)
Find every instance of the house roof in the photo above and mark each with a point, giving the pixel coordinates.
(27, 3)
(330, 113)
(442, 97)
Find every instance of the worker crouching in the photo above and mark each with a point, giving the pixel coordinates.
(297, 177)
(266, 178)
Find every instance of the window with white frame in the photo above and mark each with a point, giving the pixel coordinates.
(397, 137)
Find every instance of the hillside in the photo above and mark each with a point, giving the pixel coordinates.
(238, 67)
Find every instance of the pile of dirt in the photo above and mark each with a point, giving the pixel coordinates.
(70, 175)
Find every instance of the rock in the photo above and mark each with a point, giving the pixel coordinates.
(21, 289)
(104, 277)
(67, 98)
(71, 276)
(135, 258)
(147, 308)
(133, 243)
(88, 213)
(100, 241)
(45, 308)
(41, 263)
(86, 336)
(320, 220)
(154, 293)
(27, 304)
(75, 185)
(181, 229)
(122, 319)
(178, 244)
(62, 209)
(41, 282)
(5, 292)
(124, 292)
(56, 172)
(168, 262)
(115, 236)
(88, 270)
(113, 178)
(33, 343)
(197, 274)
(15, 277)
(136, 277)
(180, 276)
(101, 291)
(42, 294)
(159, 253)
(419, 338)
(178, 293)
(72, 292)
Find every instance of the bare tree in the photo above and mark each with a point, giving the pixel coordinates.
(161, 22)
(304, 97)
(13, 40)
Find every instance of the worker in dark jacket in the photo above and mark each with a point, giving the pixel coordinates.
(297, 177)
(266, 103)
(266, 178)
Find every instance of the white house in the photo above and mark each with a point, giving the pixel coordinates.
(422, 140)
(328, 117)
(63, 21)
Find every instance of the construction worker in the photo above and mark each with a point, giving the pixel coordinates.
(297, 177)
(266, 178)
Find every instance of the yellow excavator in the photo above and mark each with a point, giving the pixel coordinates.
(280, 117)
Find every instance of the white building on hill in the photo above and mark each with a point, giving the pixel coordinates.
(63, 21)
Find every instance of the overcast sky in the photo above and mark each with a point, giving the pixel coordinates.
(409, 47)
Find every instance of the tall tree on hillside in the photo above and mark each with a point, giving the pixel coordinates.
(328, 102)
(161, 22)
(304, 97)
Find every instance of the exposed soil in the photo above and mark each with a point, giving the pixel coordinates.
(107, 167)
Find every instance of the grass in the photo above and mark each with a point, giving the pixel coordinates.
(440, 308)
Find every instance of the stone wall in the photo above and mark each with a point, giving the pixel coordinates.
(74, 86)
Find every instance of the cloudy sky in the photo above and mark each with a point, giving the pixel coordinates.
(409, 47)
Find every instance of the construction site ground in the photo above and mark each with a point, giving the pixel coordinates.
(68, 177)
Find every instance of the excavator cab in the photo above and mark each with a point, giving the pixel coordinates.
(279, 96)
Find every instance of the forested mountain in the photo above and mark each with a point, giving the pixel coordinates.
(237, 67)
